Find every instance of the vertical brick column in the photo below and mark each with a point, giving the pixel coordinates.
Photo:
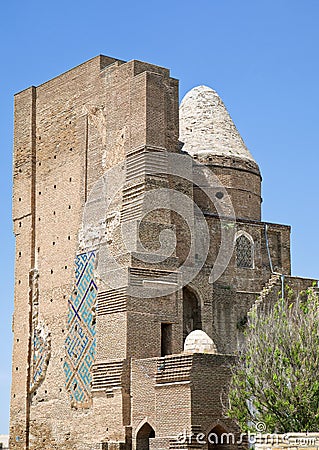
(24, 230)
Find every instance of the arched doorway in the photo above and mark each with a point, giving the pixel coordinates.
(220, 439)
(191, 312)
(144, 434)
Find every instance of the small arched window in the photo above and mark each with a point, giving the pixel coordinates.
(245, 251)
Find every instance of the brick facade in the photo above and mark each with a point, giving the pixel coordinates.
(102, 306)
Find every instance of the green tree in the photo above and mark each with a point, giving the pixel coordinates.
(277, 378)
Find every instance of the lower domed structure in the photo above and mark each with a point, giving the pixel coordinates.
(199, 342)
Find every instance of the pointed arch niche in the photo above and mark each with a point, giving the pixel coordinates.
(245, 249)
(220, 439)
(192, 319)
(143, 436)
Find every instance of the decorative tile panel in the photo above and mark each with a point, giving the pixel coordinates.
(80, 342)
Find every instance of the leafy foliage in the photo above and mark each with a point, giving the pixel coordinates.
(276, 380)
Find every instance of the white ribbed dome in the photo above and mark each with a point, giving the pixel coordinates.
(207, 128)
(199, 342)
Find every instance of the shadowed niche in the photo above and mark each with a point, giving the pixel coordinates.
(191, 312)
(144, 434)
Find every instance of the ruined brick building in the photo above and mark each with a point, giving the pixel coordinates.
(137, 222)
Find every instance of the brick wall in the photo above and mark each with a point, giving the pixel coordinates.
(97, 133)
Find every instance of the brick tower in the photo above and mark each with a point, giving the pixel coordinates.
(139, 252)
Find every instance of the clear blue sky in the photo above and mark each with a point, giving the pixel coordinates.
(260, 56)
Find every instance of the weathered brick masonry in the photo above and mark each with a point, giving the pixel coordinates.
(103, 304)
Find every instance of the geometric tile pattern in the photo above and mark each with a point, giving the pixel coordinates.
(244, 252)
(80, 342)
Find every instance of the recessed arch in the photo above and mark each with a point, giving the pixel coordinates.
(219, 438)
(245, 250)
(143, 436)
(192, 314)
